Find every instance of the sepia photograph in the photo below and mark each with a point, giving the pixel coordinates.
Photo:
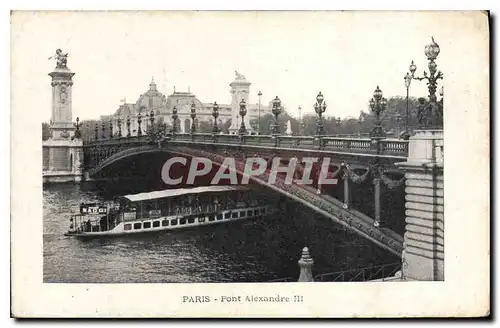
(257, 148)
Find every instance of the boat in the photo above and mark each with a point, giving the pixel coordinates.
(169, 210)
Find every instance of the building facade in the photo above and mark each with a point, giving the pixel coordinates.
(162, 107)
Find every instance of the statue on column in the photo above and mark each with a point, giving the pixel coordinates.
(239, 76)
(61, 59)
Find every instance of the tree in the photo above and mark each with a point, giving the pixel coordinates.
(87, 128)
(205, 127)
(225, 127)
(267, 121)
(45, 131)
(157, 132)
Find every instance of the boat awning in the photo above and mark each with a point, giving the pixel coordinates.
(179, 192)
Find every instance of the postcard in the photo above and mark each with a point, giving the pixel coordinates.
(243, 164)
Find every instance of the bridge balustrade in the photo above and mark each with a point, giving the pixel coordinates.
(347, 143)
(355, 145)
(396, 146)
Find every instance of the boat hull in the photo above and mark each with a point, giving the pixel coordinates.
(175, 222)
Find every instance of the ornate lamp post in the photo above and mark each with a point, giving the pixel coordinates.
(128, 126)
(409, 76)
(89, 131)
(215, 114)
(103, 128)
(152, 117)
(243, 112)
(78, 133)
(300, 121)
(276, 112)
(119, 122)
(139, 120)
(174, 120)
(378, 104)
(320, 108)
(258, 120)
(110, 129)
(96, 130)
(193, 116)
(432, 116)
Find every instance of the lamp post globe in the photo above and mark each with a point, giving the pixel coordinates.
(412, 68)
(320, 98)
(432, 50)
(377, 94)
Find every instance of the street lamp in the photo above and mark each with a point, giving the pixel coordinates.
(258, 120)
(103, 127)
(320, 108)
(174, 120)
(152, 117)
(139, 120)
(215, 114)
(193, 116)
(119, 122)
(432, 115)
(300, 121)
(243, 112)
(128, 126)
(378, 104)
(408, 77)
(276, 112)
(110, 129)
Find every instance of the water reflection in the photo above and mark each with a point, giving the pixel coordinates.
(242, 251)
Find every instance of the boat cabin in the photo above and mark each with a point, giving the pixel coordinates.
(183, 204)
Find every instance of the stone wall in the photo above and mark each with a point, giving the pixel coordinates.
(423, 254)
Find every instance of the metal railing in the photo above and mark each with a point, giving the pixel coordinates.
(362, 274)
(357, 145)
(379, 272)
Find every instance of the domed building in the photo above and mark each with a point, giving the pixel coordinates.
(161, 106)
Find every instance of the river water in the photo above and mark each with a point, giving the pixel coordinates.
(245, 251)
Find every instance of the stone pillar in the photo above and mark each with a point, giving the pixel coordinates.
(62, 152)
(305, 264)
(240, 88)
(62, 160)
(423, 253)
(61, 117)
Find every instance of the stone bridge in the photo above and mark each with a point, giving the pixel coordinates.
(348, 156)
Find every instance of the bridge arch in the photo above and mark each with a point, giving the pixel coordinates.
(323, 204)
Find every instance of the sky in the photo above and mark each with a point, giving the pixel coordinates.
(293, 55)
